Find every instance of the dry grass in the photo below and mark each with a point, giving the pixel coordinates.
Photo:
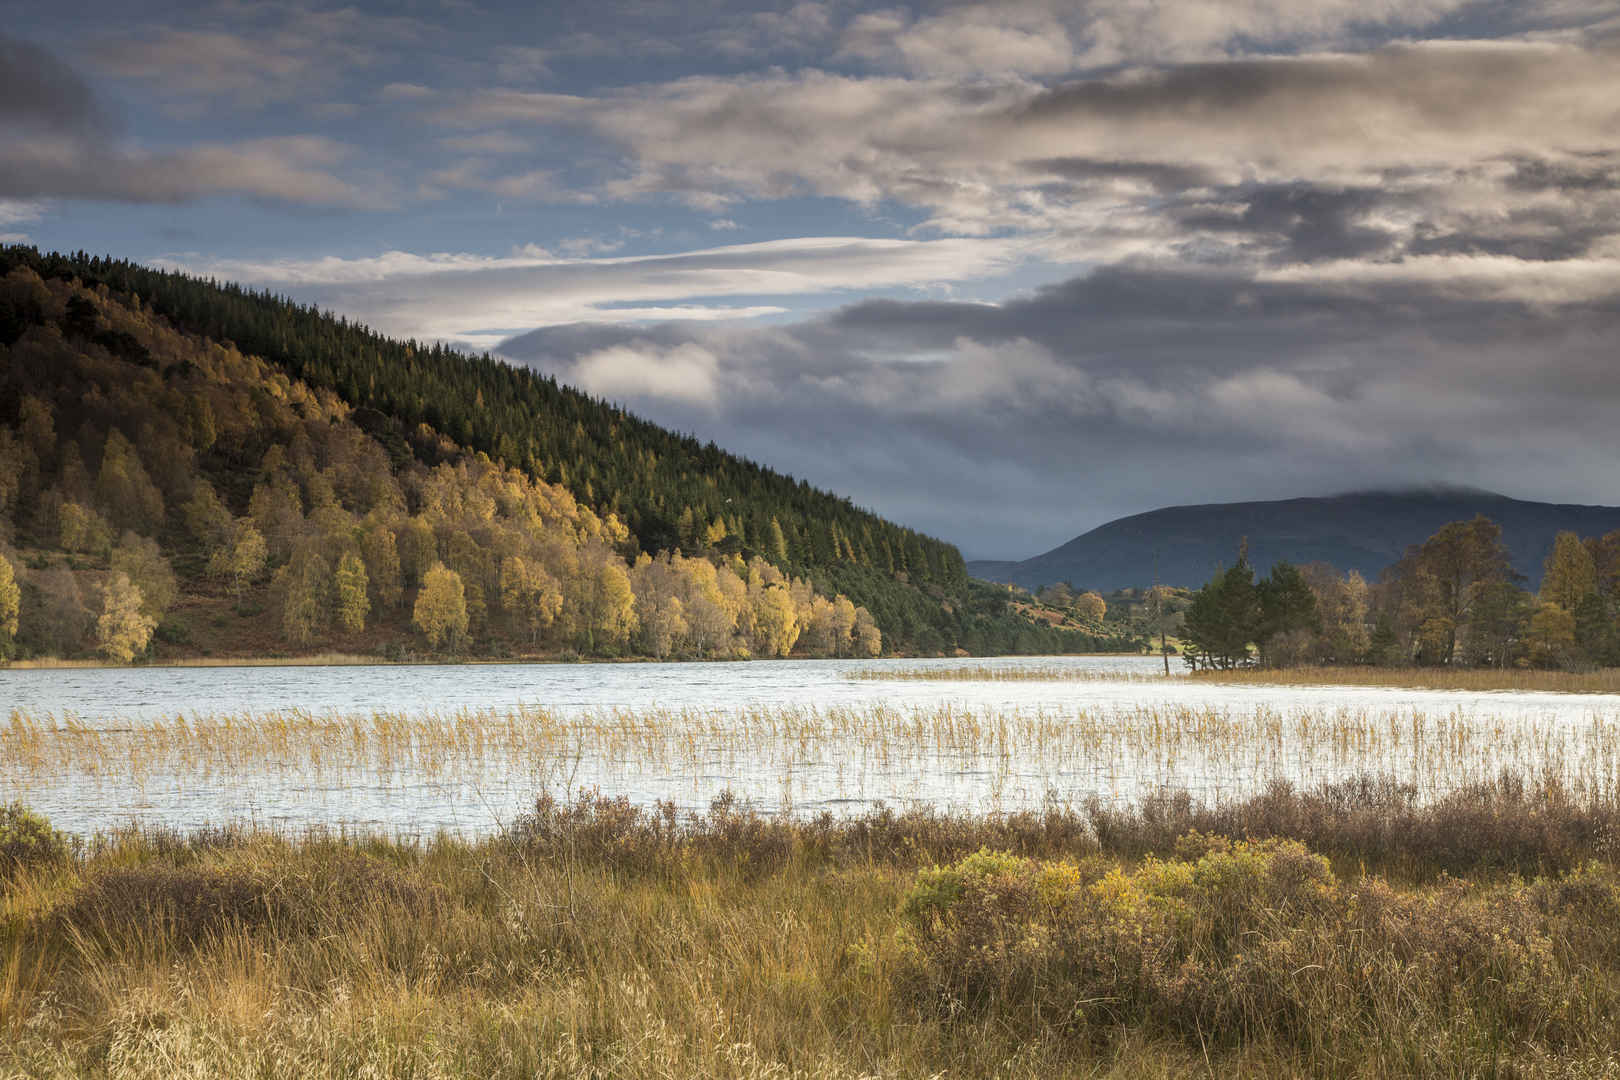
(51, 663)
(595, 939)
(983, 758)
(996, 673)
(1602, 681)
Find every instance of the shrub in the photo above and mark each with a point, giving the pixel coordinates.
(192, 901)
(1493, 826)
(1229, 942)
(27, 840)
(616, 833)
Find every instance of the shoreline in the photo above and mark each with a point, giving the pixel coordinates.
(357, 660)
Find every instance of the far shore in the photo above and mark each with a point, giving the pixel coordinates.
(51, 663)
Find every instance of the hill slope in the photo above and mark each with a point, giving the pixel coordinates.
(322, 432)
(1365, 531)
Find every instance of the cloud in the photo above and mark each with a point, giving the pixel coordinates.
(19, 212)
(1129, 388)
(1305, 156)
(404, 91)
(465, 297)
(40, 93)
(684, 373)
(1050, 37)
(969, 40)
(58, 144)
(293, 169)
(249, 56)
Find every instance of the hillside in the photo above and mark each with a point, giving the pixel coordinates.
(265, 508)
(1364, 531)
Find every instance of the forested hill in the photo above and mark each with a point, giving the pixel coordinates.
(670, 490)
(237, 412)
(1364, 531)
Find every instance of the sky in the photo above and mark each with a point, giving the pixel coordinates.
(1000, 271)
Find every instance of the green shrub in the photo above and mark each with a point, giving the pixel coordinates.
(1230, 942)
(27, 840)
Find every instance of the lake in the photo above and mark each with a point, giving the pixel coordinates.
(417, 749)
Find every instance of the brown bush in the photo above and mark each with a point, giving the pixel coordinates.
(1503, 825)
(614, 832)
(189, 903)
(1234, 942)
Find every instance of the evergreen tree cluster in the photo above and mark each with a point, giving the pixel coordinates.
(1233, 610)
(672, 491)
(1455, 598)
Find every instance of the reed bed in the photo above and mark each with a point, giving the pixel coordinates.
(1601, 681)
(997, 673)
(598, 938)
(327, 659)
(401, 766)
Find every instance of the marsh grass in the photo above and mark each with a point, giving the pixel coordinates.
(1001, 673)
(1601, 681)
(598, 938)
(328, 659)
(977, 758)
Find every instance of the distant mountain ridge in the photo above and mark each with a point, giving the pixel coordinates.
(1365, 531)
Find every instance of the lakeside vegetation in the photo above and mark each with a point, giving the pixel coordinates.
(1349, 931)
(987, 673)
(1453, 600)
(984, 758)
(1602, 681)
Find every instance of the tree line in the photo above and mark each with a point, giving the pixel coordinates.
(670, 491)
(1455, 598)
(160, 490)
(149, 478)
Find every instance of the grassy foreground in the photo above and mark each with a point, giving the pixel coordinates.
(1354, 933)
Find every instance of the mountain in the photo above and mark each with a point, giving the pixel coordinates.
(151, 424)
(1365, 531)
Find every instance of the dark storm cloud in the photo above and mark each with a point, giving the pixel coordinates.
(1300, 222)
(39, 92)
(58, 143)
(1596, 173)
(1129, 388)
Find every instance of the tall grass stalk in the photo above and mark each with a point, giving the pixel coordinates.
(1601, 681)
(596, 938)
(965, 756)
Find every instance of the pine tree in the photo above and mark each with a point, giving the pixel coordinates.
(1287, 610)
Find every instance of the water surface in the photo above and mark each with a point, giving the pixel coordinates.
(800, 735)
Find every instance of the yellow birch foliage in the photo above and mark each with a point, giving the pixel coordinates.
(353, 604)
(123, 630)
(10, 605)
(441, 607)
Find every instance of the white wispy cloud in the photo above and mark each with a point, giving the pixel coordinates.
(458, 296)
